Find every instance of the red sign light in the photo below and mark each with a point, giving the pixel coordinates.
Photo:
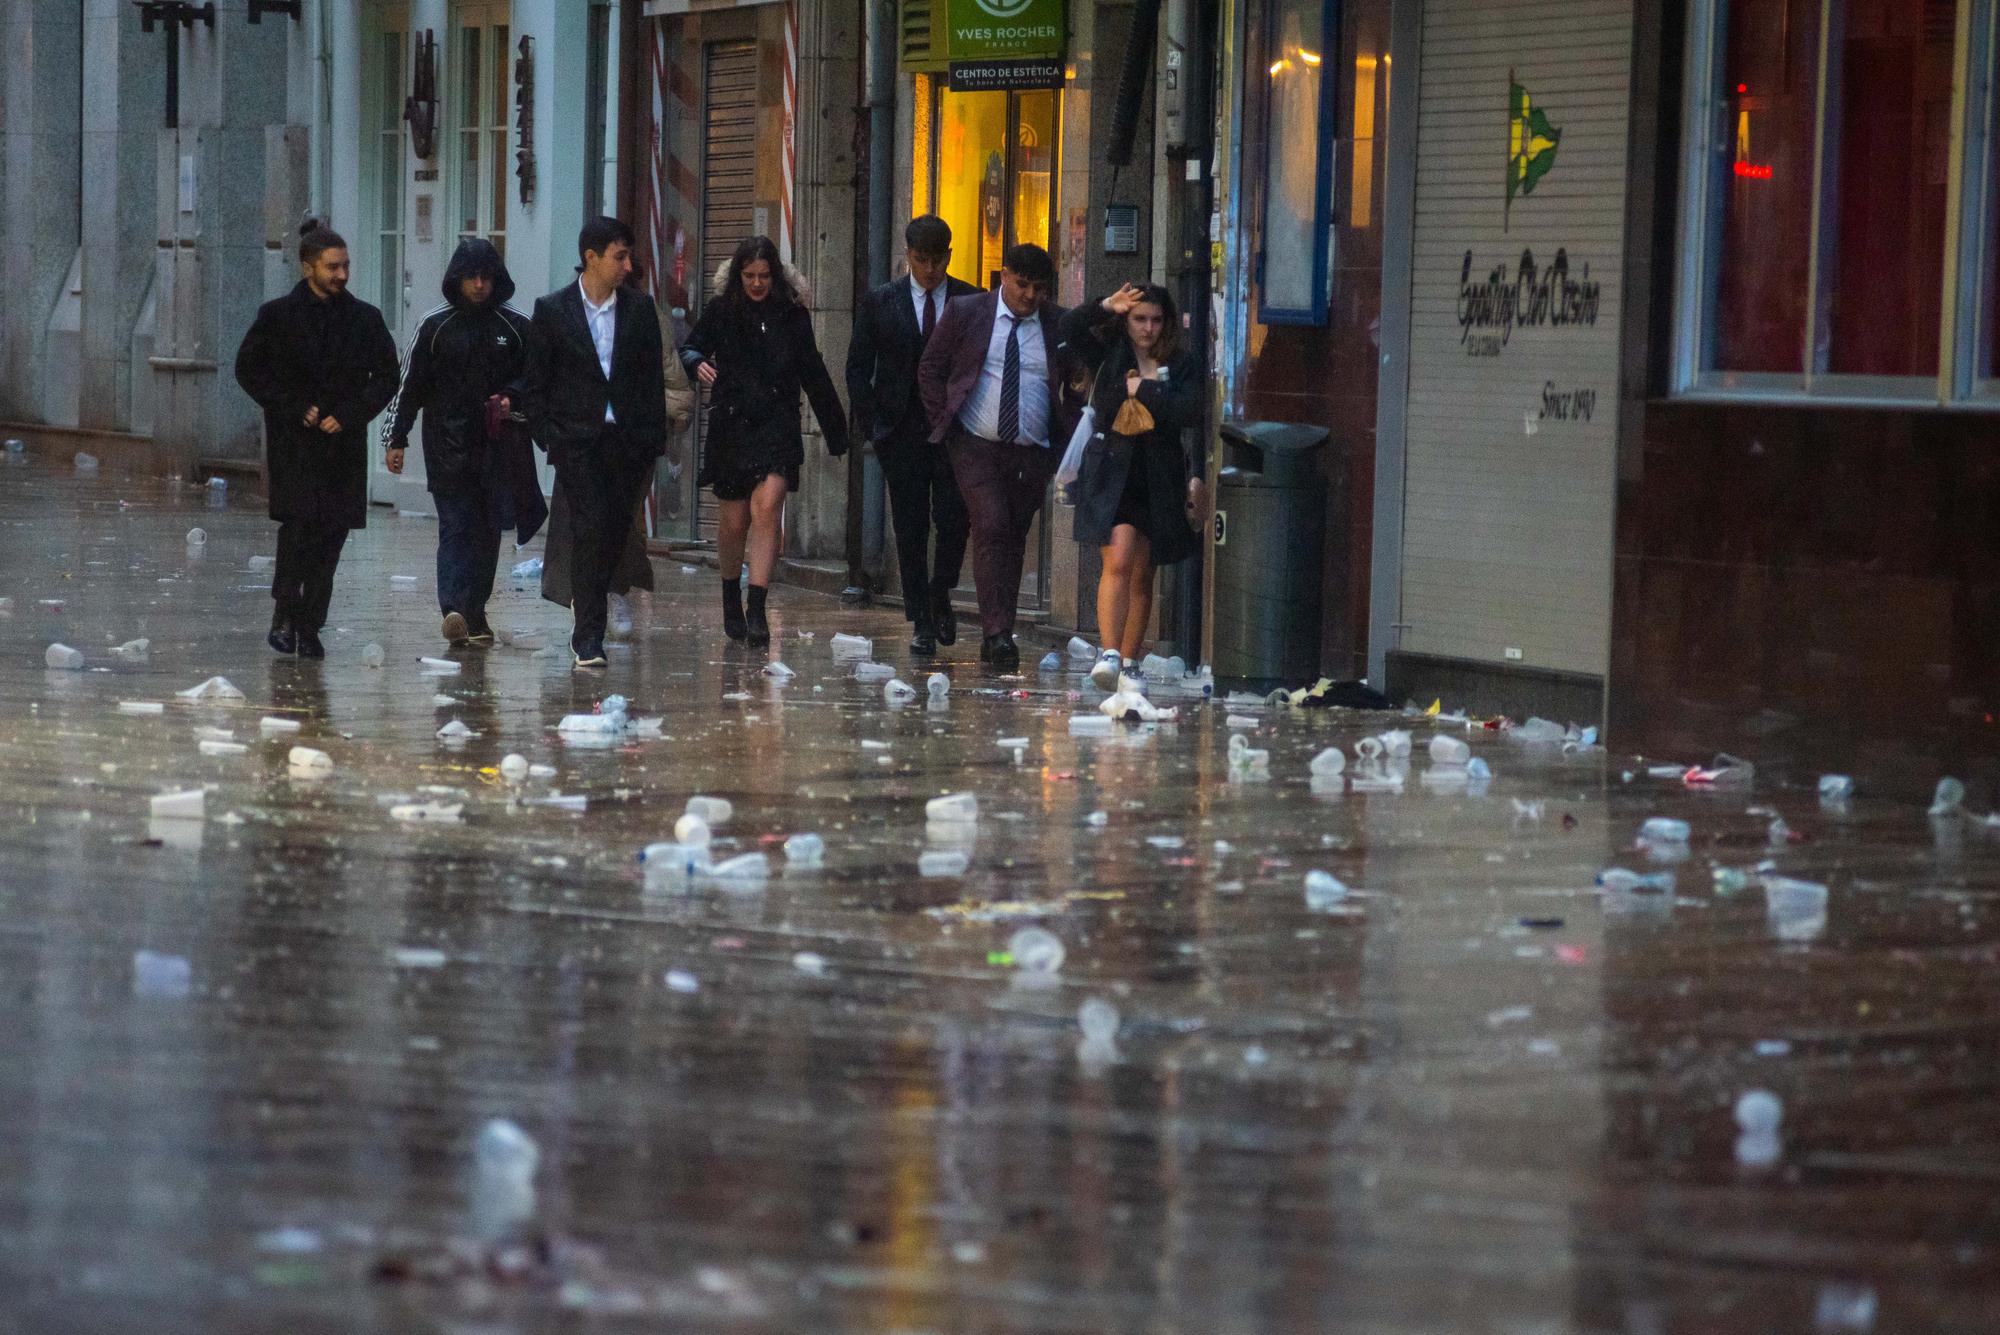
(1752, 171)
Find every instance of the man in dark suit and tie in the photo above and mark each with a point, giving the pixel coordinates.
(595, 398)
(992, 390)
(891, 327)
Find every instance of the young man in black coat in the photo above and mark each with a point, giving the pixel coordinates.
(891, 327)
(463, 363)
(596, 399)
(321, 364)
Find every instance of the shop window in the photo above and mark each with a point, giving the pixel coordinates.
(994, 175)
(484, 95)
(1819, 188)
(1298, 164)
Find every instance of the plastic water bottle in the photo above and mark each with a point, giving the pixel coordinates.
(805, 850)
(1449, 751)
(1323, 891)
(743, 869)
(714, 810)
(1098, 1019)
(665, 860)
(938, 685)
(942, 862)
(1663, 830)
(63, 658)
(953, 809)
(1036, 950)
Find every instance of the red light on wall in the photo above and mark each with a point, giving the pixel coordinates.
(1742, 87)
(1752, 171)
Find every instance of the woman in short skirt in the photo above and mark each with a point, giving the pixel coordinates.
(753, 348)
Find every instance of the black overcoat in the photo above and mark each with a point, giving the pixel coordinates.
(765, 356)
(336, 356)
(1175, 404)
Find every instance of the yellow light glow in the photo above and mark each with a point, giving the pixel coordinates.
(1361, 191)
(1279, 67)
(1310, 57)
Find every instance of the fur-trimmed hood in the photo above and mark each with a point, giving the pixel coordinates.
(800, 287)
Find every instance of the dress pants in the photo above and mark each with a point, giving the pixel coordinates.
(308, 554)
(923, 491)
(603, 482)
(1003, 486)
(469, 525)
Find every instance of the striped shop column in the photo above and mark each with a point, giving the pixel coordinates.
(788, 152)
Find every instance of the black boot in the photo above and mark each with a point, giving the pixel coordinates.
(282, 637)
(759, 630)
(732, 609)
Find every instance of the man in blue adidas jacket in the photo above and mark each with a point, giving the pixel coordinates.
(478, 461)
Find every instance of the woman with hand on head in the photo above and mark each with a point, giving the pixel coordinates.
(753, 349)
(1137, 488)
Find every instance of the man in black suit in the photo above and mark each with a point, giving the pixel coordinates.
(595, 399)
(992, 385)
(891, 327)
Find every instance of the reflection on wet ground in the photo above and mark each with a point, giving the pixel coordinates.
(250, 1057)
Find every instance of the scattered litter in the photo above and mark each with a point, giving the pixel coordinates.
(1758, 1114)
(1324, 891)
(1450, 751)
(778, 671)
(873, 672)
(1796, 909)
(942, 862)
(1844, 1309)
(428, 813)
(1089, 725)
(63, 658)
(372, 655)
(289, 1241)
(743, 869)
(215, 688)
(1539, 731)
(561, 802)
(805, 850)
(1507, 1015)
(163, 977)
(1098, 1019)
(1051, 661)
(1623, 881)
(680, 980)
(417, 957)
(439, 667)
(85, 463)
(1132, 707)
(1239, 721)
(188, 804)
(937, 685)
(262, 563)
(403, 581)
(305, 760)
(207, 733)
(530, 569)
(852, 647)
(714, 810)
(807, 962)
(212, 747)
(455, 731)
(1726, 772)
(954, 808)
(133, 651)
(1949, 800)
(141, 707)
(1477, 770)
(692, 831)
(1036, 950)
(1247, 764)
(1329, 763)
(271, 726)
(1664, 830)
(669, 860)
(514, 768)
(1080, 649)
(897, 692)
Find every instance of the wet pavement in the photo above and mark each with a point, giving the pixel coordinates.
(1475, 1093)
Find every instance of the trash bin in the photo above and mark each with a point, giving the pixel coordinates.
(1270, 529)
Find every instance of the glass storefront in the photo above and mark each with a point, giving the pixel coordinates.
(991, 174)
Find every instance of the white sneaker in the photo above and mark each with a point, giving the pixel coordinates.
(621, 617)
(1105, 675)
(1133, 681)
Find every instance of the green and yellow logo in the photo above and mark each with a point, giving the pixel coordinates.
(1531, 143)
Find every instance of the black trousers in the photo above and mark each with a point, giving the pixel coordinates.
(468, 550)
(923, 492)
(308, 554)
(602, 483)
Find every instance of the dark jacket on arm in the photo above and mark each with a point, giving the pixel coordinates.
(563, 391)
(956, 355)
(1176, 404)
(764, 359)
(882, 358)
(461, 356)
(337, 356)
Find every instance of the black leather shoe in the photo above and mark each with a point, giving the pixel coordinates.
(1001, 652)
(283, 638)
(589, 654)
(945, 620)
(923, 643)
(309, 645)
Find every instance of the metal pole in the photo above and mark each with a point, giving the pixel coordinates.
(1195, 280)
(866, 539)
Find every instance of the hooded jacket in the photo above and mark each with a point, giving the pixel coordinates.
(461, 356)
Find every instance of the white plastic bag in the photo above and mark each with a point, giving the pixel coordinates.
(1079, 440)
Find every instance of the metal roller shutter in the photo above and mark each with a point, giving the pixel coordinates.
(1512, 426)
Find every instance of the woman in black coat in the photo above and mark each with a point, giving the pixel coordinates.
(753, 348)
(1137, 484)
(321, 364)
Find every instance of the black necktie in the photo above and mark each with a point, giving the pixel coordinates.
(930, 314)
(1010, 385)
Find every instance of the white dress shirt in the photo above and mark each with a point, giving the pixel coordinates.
(936, 294)
(603, 322)
(981, 414)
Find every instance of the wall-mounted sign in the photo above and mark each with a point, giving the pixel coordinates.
(1014, 76)
(1531, 145)
(1121, 229)
(998, 29)
(1491, 306)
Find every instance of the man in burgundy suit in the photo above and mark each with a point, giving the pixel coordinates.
(993, 392)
